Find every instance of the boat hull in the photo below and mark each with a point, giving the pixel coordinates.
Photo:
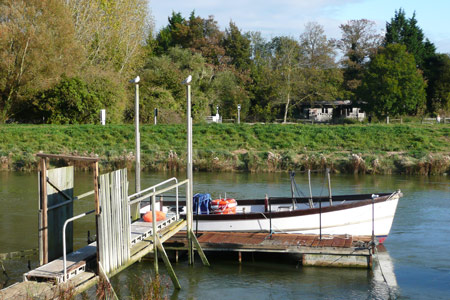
(356, 215)
(352, 221)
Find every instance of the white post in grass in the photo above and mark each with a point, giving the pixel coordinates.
(239, 114)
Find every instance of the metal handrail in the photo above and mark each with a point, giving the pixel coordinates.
(153, 187)
(155, 192)
(64, 238)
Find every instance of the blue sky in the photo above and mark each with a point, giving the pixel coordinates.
(288, 17)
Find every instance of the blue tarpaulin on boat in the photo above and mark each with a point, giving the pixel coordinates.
(204, 201)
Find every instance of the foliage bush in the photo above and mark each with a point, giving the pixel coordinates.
(73, 101)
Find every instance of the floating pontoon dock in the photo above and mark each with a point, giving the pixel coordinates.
(330, 250)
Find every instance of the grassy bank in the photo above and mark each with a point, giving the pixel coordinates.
(407, 148)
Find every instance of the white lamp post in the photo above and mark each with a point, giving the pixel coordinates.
(190, 194)
(137, 135)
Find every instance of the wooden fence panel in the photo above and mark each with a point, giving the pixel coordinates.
(114, 221)
(61, 179)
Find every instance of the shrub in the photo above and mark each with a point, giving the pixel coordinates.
(71, 101)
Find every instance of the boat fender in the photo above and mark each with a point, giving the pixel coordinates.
(160, 216)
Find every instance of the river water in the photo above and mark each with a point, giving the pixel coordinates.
(415, 266)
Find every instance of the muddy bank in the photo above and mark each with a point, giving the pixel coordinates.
(255, 161)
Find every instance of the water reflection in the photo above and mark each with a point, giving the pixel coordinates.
(415, 267)
(384, 283)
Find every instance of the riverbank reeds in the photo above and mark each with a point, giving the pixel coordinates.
(356, 148)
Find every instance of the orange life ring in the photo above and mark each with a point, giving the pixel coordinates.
(223, 206)
(148, 217)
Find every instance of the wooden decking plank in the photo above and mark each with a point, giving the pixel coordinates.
(316, 242)
(338, 242)
(327, 242)
(55, 269)
(348, 242)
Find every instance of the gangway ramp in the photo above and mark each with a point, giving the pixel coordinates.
(120, 241)
(83, 259)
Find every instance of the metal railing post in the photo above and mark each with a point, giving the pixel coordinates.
(154, 231)
(64, 239)
(320, 218)
(176, 203)
(373, 225)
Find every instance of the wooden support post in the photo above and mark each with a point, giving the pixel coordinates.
(97, 213)
(189, 225)
(266, 203)
(155, 236)
(170, 270)
(292, 190)
(373, 224)
(311, 204)
(44, 217)
(103, 274)
(329, 187)
(199, 249)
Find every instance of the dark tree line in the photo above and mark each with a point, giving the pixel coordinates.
(62, 61)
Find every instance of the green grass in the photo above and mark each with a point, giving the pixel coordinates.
(230, 146)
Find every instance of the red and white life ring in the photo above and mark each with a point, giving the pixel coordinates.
(223, 206)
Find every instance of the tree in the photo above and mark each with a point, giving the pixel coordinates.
(197, 34)
(165, 40)
(263, 89)
(37, 46)
(163, 75)
(392, 84)
(285, 64)
(319, 77)
(237, 47)
(359, 41)
(227, 92)
(438, 90)
(111, 32)
(207, 40)
(406, 31)
(318, 51)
